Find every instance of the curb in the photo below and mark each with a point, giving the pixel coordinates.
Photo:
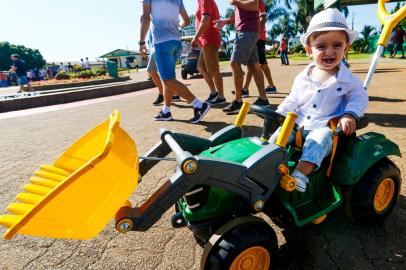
(71, 96)
(79, 84)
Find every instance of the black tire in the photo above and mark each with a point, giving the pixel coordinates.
(184, 74)
(363, 206)
(252, 239)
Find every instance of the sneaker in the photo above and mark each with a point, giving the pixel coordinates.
(233, 108)
(176, 98)
(212, 97)
(217, 101)
(163, 116)
(200, 113)
(158, 100)
(261, 102)
(245, 93)
(301, 181)
(270, 90)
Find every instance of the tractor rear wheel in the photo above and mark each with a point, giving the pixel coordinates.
(375, 195)
(243, 243)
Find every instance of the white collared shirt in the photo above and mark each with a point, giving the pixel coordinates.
(317, 103)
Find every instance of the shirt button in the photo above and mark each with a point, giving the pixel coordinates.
(318, 91)
(308, 117)
(314, 106)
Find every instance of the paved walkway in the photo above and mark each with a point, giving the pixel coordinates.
(37, 136)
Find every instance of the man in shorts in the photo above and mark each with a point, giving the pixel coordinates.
(245, 51)
(270, 89)
(164, 15)
(208, 37)
(153, 73)
(20, 69)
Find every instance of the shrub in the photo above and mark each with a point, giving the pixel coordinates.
(62, 75)
(101, 72)
(86, 74)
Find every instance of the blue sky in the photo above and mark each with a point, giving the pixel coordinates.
(70, 30)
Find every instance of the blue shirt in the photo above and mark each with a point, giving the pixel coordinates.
(165, 19)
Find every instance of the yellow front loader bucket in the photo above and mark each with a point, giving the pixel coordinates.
(81, 191)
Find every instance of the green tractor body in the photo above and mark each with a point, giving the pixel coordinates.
(207, 207)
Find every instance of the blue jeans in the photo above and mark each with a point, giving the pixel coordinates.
(166, 55)
(284, 58)
(23, 80)
(317, 145)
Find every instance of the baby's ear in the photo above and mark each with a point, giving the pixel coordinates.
(308, 50)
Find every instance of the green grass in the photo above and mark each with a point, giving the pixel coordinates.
(351, 55)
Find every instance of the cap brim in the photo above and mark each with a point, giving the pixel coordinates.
(352, 35)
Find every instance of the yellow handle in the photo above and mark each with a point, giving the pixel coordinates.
(286, 130)
(389, 21)
(242, 114)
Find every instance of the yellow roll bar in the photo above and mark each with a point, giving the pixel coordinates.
(242, 114)
(286, 129)
(389, 21)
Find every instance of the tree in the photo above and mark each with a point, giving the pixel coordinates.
(32, 57)
(305, 12)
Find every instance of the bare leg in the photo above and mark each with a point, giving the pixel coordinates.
(207, 78)
(248, 79)
(305, 167)
(157, 80)
(218, 81)
(259, 79)
(238, 80)
(267, 74)
(171, 86)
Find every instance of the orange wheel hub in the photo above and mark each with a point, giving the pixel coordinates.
(384, 194)
(253, 258)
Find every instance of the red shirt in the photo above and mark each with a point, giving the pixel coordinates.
(283, 45)
(212, 35)
(262, 35)
(246, 21)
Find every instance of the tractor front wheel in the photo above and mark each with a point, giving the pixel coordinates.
(243, 243)
(374, 197)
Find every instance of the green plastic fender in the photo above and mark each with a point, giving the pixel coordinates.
(359, 155)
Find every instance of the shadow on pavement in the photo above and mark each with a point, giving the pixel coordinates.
(382, 99)
(378, 70)
(339, 243)
(387, 120)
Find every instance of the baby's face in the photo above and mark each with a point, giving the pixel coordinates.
(328, 49)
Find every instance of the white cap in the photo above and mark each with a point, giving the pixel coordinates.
(328, 20)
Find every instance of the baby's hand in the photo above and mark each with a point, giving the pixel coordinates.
(348, 124)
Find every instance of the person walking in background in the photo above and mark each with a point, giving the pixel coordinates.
(245, 51)
(153, 73)
(208, 37)
(270, 89)
(283, 51)
(62, 67)
(20, 69)
(398, 40)
(86, 64)
(164, 15)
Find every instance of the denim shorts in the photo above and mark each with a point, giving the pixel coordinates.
(151, 63)
(245, 49)
(317, 145)
(166, 55)
(23, 80)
